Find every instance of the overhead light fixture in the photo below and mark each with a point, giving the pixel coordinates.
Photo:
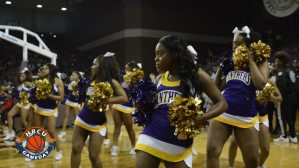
(54, 36)
(8, 2)
(42, 35)
(64, 9)
(39, 6)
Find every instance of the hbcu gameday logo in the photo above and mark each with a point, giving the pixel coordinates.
(35, 143)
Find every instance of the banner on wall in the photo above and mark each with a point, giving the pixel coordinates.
(281, 8)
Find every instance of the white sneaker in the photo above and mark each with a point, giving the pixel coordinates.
(114, 150)
(194, 152)
(132, 151)
(293, 140)
(87, 139)
(6, 132)
(61, 134)
(9, 137)
(58, 155)
(281, 139)
(27, 160)
(106, 141)
(262, 166)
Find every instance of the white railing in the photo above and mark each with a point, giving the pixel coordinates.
(41, 49)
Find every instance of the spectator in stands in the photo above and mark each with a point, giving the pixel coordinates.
(31, 67)
(210, 72)
(296, 102)
(7, 106)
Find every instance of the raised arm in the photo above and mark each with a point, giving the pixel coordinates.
(60, 87)
(259, 73)
(219, 80)
(214, 94)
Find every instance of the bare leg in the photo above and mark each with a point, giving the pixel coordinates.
(79, 138)
(38, 120)
(75, 111)
(24, 115)
(145, 160)
(247, 139)
(218, 134)
(95, 143)
(232, 153)
(181, 164)
(14, 111)
(264, 142)
(66, 116)
(51, 129)
(127, 118)
(30, 117)
(117, 124)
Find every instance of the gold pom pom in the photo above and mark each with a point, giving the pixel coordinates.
(240, 57)
(75, 89)
(265, 94)
(102, 90)
(43, 88)
(23, 96)
(131, 77)
(182, 113)
(262, 51)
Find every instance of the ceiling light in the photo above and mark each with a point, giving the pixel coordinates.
(8, 2)
(39, 6)
(54, 36)
(42, 35)
(64, 9)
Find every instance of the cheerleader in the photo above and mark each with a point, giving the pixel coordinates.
(241, 116)
(72, 101)
(104, 69)
(157, 141)
(24, 84)
(32, 106)
(47, 108)
(122, 113)
(264, 134)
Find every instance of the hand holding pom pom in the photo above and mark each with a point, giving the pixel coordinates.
(262, 51)
(240, 57)
(75, 88)
(263, 96)
(131, 77)
(227, 63)
(182, 113)
(23, 96)
(43, 88)
(101, 91)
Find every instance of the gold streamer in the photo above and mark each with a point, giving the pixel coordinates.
(43, 88)
(182, 113)
(265, 94)
(131, 77)
(102, 90)
(23, 96)
(262, 51)
(75, 89)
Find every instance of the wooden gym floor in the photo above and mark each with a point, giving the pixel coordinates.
(282, 155)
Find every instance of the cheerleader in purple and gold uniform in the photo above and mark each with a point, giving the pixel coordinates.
(47, 108)
(264, 134)
(241, 116)
(123, 113)
(71, 102)
(157, 141)
(24, 84)
(104, 69)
